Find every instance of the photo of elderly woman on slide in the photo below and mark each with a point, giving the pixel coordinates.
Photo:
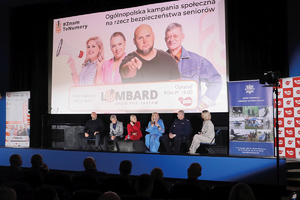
(91, 68)
(110, 70)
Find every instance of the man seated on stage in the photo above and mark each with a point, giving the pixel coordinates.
(116, 131)
(180, 128)
(93, 128)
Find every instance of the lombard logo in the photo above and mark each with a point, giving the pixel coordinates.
(279, 92)
(279, 103)
(297, 91)
(288, 102)
(298, 112)
(290, 152)
(279, 132)
(289, 132)
(290, 142)
(297, 102)
(289, 122)
(287, 82)
(112, 95)
(298, 122)
(280, 122)
(289, 112)
(186, 102)
(249, 89)
(288, 92)
(298, 142)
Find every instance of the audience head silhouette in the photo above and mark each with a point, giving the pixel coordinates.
(157, 174)
(241, 191)
(7, 194)
(109, 196)
(15, 160)
(194, 171)
(36, 160)
(125, 167)
(89, 163)
(45, 192)
(144, 185)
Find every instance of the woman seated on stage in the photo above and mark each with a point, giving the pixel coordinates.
(156, 128)
(207, 132)
(133, 129)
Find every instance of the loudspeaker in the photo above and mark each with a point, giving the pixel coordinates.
(64, 49)
(131, 146)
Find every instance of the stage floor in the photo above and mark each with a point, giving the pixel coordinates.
(217, 167)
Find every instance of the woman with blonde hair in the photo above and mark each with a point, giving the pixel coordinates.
(155, 129)
(110, 70)
(207, 132)
(134, 129)
(92, 66)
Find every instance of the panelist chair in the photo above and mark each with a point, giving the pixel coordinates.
(89, 142)
(212, 143)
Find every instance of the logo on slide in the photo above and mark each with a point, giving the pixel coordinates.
(186, 102)
(58, 27)
(110, 95)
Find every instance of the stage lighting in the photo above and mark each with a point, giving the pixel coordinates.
(270, 78)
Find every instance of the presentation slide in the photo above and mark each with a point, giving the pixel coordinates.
(161, 57)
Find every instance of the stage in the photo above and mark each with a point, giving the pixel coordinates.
(219, 167)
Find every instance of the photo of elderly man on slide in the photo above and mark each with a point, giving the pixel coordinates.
(193, 67)
(147, 64)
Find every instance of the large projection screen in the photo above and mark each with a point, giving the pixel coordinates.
(201, 70)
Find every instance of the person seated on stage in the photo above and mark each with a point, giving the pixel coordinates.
(94, 128)
(116, 131)
(156, 128)
(90, 178)
(191, 188)
(207, 132)
(180, 128)
(133, 129)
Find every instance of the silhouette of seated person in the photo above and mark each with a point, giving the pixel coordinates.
(122, 184)
(7, 194)
(241, 191)
(14, 172)
(45, 192)
(160, 191)
(144, 187)
(109, 196)
(190, 188)
(90, 178)
(37, 173)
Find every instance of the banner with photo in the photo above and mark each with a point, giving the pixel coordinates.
(17, 119)
(251, 129)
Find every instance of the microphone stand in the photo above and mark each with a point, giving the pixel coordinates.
(275, 90)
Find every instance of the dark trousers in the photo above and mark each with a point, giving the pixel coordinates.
(83, 140)
(170, 143)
